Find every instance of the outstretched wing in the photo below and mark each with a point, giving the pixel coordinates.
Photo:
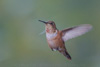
(75, 31)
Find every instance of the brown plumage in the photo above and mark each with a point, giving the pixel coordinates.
(56, 39)
(58, 44)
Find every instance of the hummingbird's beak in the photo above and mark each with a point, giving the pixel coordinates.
(43, 21)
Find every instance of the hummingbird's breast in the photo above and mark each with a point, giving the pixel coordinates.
(54, 40)
(50, 36)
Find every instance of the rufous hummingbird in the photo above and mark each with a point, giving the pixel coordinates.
(56, 38)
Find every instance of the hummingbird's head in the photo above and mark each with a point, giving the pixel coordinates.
(50, 26)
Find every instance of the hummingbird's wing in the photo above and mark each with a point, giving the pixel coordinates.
(42, 32)
(75, 31)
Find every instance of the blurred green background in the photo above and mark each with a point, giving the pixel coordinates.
(22, 46)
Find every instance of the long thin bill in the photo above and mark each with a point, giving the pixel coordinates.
(43, 21)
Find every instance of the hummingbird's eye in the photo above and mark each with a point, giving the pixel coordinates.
(51, 23)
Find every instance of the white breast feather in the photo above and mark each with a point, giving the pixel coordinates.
(50, 36)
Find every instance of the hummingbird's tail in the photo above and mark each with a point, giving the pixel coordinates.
(66, 54)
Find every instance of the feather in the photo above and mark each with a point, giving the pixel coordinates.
(42, 32)
(75, 31)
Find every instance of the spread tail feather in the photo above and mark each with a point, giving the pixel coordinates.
(66, 54)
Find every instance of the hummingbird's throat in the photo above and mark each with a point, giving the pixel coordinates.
(50, 30)
(47, 30)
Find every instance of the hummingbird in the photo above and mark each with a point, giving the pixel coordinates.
(56, 38)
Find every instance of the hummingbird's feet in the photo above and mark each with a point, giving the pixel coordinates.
(54, 49)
